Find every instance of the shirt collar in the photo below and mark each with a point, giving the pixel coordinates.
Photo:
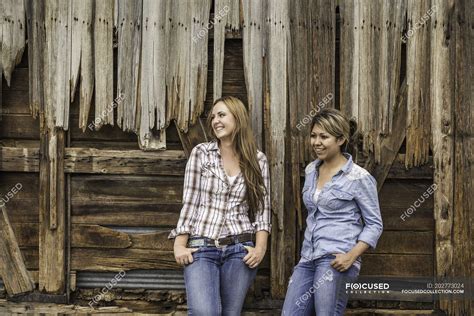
(214, 146)
(347, 166)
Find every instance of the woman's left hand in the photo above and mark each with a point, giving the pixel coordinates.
(342, 262)
(254, 256)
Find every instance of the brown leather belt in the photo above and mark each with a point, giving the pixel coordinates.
(195, 242)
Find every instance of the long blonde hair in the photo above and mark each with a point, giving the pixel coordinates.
(246, 149)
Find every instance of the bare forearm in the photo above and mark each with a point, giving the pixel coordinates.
(181, 240)
(261, 240)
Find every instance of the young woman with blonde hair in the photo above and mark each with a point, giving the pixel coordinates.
(222, 232)
(343, 221)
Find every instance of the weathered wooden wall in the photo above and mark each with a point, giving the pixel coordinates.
(112, 188)
(113, 183)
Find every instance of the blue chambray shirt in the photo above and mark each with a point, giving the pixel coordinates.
(347, 210)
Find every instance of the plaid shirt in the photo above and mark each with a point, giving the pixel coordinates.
(211, 204)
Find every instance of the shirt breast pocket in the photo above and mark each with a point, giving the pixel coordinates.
(338, 200)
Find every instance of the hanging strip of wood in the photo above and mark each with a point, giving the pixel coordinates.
(128, 61)
(36, 42)
(103, 63)
(349, 58)
(299, 96)
(152, 105)
(57, 62)
(198, 61)
(253, 52)
(226, 15)
(278, 28)
(365, 71)
(187, 63)
(82, 59)
(323, 34)
(349, 62)
(418, 41)
(12, 35)
(391, 26)
(374, 75)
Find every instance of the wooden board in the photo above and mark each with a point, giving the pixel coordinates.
(13, 37)
(418, 123)
(168, 162)
(13, 271)
(103, 63)
(397, 265)
(129, 41)
(464, 148)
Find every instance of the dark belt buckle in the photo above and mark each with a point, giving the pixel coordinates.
(216, 243)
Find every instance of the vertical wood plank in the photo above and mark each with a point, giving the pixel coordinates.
(349, 58)
(52, 230)
(278, 28)
(83, 25)
(154, 57)
(418, 76)
(103, 62)
(128, 61)
(253, 51)
(36, 42)
(443, 126)
(464, 148)
(226, 15)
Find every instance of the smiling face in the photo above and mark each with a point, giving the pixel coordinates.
(325, 145)
(222, 121)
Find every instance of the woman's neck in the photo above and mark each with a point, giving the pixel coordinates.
(335, 162)
(226, 146)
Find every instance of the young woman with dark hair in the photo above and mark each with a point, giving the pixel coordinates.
(343, 221)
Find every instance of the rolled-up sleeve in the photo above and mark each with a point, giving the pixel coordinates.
(191, 194)
(368, 202)
(263, 217)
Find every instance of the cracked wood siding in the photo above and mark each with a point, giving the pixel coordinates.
(323, 37)
(418, 124)
(277, 23)
(103, 62)
(198, 64)
(253, 39)
(392, 24)
(299, 96)
(82, 60)
(226, 15)
(128, 61)
(187, 66)
(464, 147)
(57, 62)
(12, 36)
(36, 42)
(349, 58)
(365, 84)
(152, 102)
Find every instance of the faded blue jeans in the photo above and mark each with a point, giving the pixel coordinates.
(217, 281)
(316, 288)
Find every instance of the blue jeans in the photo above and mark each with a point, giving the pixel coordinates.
(218, 279)
(317, 288)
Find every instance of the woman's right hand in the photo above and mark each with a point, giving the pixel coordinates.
(184, 255)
